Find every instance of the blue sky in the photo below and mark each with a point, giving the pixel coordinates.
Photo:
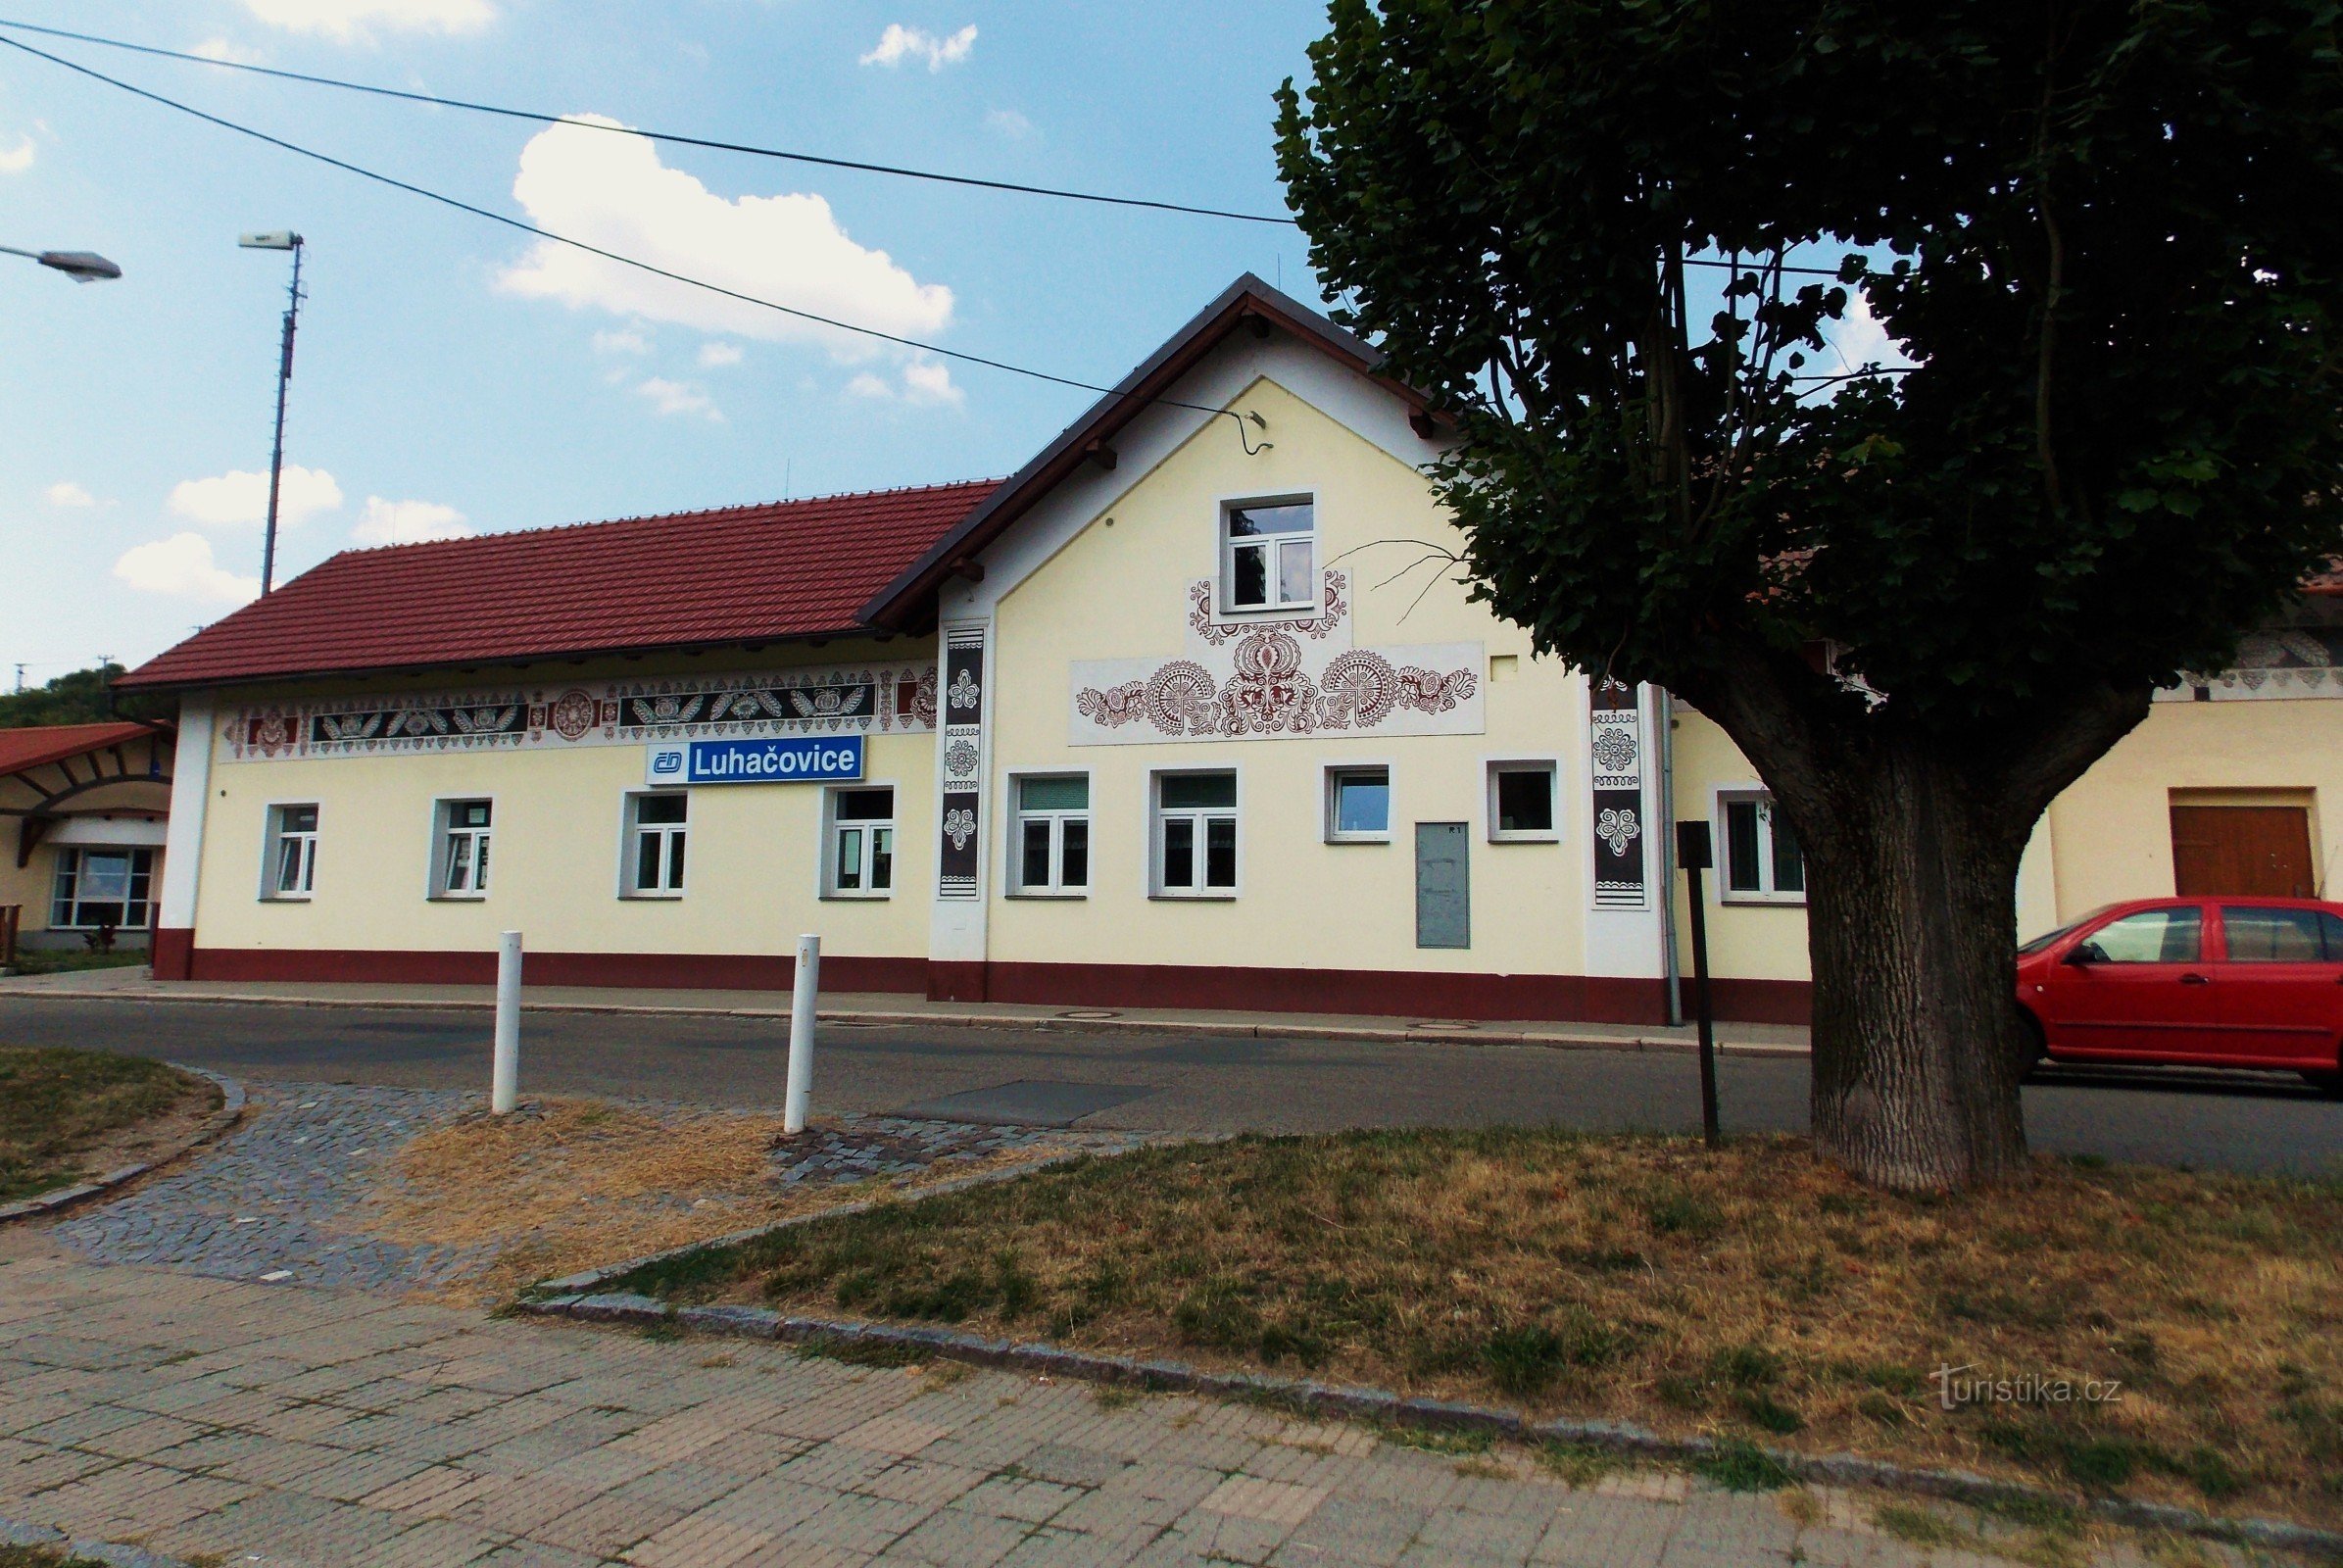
(451, 379)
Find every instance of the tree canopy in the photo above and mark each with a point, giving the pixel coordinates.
(2107, 232)
(81, 697)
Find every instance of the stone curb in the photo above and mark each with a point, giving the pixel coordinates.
(1463, 1033)
(231, 1107)
(112, 1554)
(1380, 1406)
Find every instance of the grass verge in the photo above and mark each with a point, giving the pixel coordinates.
(2127, 1330)
(42, 1557)
(60, 960)
(68, 1114)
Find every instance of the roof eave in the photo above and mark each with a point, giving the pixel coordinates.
(131, 729)
(474, 660)
(901, 603)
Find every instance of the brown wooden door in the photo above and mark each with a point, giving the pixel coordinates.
(2250, 850)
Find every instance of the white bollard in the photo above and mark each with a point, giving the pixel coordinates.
(804, 991)
(505, 1081)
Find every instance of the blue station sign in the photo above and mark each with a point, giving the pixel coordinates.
(794, 759)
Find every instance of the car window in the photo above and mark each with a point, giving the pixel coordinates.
(2028, 949)
(2278, 936)
(2151, 935)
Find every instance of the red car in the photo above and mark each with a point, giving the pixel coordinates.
(2213, 982)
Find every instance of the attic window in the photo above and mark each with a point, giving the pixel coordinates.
(1269, 552)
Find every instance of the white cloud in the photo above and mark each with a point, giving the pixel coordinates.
(1860, 340)
(612, 191)
(1008, 123)
(900, 43)
(16, 159)
(66, 493)
(182, 566)
(238, 498)
(223, 49)
(345, 21)
(407, 522)
(629, 340)
(679, 396)
(714, 356)
(924, 383)
(929, 381)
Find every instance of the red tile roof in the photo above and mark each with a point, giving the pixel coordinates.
(20, 748)
(791, 568)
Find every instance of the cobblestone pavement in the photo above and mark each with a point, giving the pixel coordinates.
(279, 1201)
(859, 1147)
(282, 1425)
(283, 1199)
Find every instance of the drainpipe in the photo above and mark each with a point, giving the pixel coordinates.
(1665, 711)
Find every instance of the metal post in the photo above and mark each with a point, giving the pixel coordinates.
(804, 991)
(504, 1079)
(1693, 855)
(277, 457)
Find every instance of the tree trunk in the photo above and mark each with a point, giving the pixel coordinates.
(1912, 838)
(1911, 927)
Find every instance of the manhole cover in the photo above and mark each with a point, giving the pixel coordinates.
(1026, 1103)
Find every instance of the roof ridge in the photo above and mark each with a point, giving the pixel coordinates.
(667, 516)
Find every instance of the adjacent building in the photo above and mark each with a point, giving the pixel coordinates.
(1189, 711)
(82, 809)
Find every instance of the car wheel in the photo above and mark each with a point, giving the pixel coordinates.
(2036, 1050)
(2329, 1084)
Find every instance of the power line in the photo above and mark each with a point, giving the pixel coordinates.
(539, 118)
(653, 269)
(676, 138)
(577, 244)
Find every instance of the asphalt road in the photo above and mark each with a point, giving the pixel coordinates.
(1175, 1083)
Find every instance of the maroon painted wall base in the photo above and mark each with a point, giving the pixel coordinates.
(1593, 999)
(692, 971)
(174, 952)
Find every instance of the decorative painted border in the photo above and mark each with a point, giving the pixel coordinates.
(231, 1107)
(2274, 663)
(1257, 677)
(1615, 793)
(825, 699)
(960, 801)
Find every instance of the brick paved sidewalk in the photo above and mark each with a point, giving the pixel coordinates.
(284, 1425)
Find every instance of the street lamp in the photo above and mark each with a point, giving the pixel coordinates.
(282, 240)
(82, 266)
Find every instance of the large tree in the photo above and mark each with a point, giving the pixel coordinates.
(2106, 232)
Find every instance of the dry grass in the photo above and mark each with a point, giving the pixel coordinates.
(1757, 1293)
(573, 1184)
(68, 1114)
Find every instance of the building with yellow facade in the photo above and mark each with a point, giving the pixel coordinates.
(1190, 710)
(81, 857)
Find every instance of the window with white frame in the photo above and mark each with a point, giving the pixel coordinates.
(292, 868)
(655, 835)
(1358, 804)
(858, 861)
(1196, 835)
(1763, 863)
(460, 863)
(1521, 802)
(1052, 836)
(1269, 555)
(100, 888)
